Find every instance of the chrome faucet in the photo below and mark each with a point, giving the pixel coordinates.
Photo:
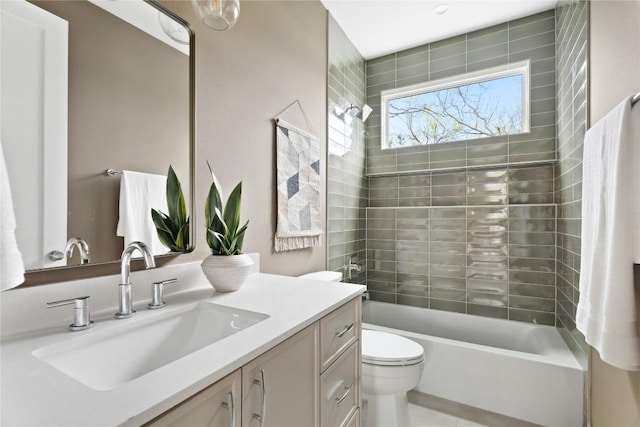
(82, 246)
(67, 252)
(124, 301)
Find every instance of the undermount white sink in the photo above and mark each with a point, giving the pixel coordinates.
(115, 356)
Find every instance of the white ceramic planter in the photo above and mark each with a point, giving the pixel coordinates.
(226, 273)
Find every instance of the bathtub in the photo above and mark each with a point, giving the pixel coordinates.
(517, 369)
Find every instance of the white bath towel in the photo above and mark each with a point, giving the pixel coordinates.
(11, 264)
(607, 310)
(139, 193)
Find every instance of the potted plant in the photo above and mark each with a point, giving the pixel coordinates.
(173, 228)
(227, 267)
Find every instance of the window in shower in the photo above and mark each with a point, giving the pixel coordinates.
(482, 104)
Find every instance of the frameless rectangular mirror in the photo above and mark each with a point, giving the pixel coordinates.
(89, 86)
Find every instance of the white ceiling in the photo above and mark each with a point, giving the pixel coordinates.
(380, 27)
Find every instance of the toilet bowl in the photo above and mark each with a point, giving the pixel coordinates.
(391, 366)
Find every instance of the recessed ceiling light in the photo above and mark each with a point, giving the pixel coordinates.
(441, 9)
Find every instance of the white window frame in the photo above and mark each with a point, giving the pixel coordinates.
(522, 68)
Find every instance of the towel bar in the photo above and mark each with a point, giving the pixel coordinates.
(113, 172)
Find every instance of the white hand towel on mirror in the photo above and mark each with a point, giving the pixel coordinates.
(139, 193)
(11, 264)
(607, 310)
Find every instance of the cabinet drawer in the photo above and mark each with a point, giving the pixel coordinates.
(209, 408)
(340, 389)
(354, 421)
(338, 331)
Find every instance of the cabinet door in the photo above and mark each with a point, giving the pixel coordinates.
(216, 406)
(280, 388)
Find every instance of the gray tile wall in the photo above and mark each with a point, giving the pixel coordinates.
(347, 196)
(475, 241)
(530, 38)
(463, 226)
(572, 18)
(571, 69)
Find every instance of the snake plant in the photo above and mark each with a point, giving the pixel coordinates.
(224, 234)
(173, 228)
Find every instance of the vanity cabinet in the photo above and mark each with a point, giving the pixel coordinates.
(280, 387)
(311, 379)
(215, 406)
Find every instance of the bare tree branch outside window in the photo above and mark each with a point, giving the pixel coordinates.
(477, 110)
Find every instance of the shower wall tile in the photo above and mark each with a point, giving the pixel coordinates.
(347, 192)
(531, 38)
(485, 257)
(571, 111)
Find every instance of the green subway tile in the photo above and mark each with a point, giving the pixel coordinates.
(487, 262)
(534, 41)
(448, 47)
(447, 259)
(412, 223)
(532, 264)
(536, 54)
(492, 51)
(412, 290)
(448, 213)
(487, 311)
(447, 72)
(530, 290)
(532, 225)
(448, 294)
(440, 224)
(380, 67)
(448, 270)
(490, 299)
(412, 246)
(532, 277)
(448, 190)
(486, 286)
(413, 279)
(413, 301)
(532, 317)
(531, 303)
(532, 251)
(422, 50)
(412, 235)
(416, 70)
(458, 307)
(487, 37)
(441, 282)
(458, 178)
(381, 296)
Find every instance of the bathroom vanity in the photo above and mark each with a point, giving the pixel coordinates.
(293, 358)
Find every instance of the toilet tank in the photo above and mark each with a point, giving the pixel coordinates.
(325, 276)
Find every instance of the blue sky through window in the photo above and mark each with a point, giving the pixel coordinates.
(482, 109)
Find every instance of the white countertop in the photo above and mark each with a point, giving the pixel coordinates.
(34, 393)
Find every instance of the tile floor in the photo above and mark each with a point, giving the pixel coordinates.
(426, 417)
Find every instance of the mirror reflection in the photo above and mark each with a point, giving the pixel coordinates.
(89, 86)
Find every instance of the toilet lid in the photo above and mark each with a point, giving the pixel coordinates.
(383, 348)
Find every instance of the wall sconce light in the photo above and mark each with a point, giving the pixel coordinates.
(218, 15)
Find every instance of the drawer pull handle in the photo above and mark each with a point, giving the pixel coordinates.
(345, 330)
(263, 402)
(340, 399)
(229, 405)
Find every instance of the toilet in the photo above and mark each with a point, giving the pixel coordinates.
(391, 366)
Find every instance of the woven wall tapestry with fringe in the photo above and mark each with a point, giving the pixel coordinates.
(298, 169)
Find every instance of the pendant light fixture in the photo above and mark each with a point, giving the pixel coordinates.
(218, 15)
